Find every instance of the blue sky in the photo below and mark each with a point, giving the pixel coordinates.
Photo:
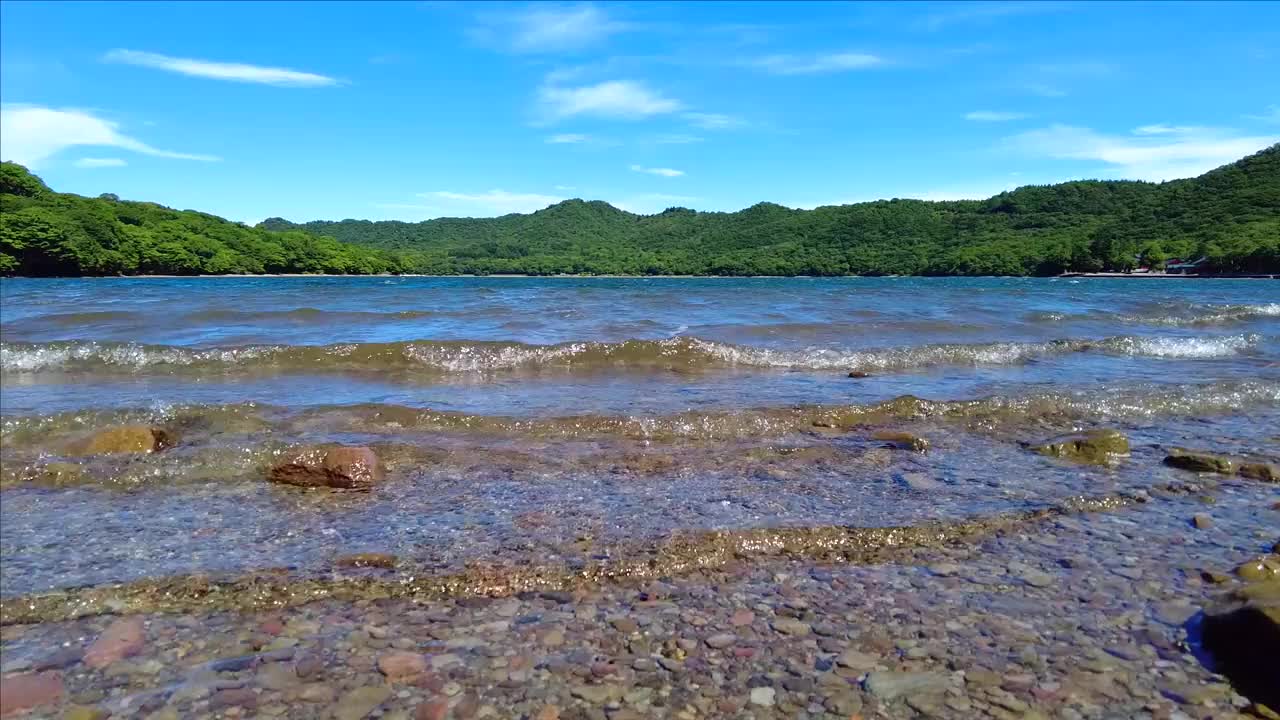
(413, 110)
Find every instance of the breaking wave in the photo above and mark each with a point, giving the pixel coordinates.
(678, 353)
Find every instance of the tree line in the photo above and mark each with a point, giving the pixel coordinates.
(1230, 216)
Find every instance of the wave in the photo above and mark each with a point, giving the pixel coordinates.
(1173, 315)
(1098, 403)
(677, 353)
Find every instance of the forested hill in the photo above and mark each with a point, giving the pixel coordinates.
(45, 233)
(1231, 215)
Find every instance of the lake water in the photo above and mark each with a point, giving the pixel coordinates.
(529, 421)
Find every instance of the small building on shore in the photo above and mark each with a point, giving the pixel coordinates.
(1185, 267)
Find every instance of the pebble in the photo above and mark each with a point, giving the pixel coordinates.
(890, 685)
(122, 638)
(360, 702)
(19, 693)
(721, 640)
(399, 664)
(1201, 521)
(790, 626)
(742, 618)
(763, 696)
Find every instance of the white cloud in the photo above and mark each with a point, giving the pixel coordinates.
(548, 28)
(984, 12)
(664, 172)
(1169, 153)
(99, 162)
(1162, 129)
(624, 99)
(495, 202)
(1272, 114)
(568, 139)
(813, 64)
(677, 139)
(713, 121)
(995, 116)
(30, 135)
(236, 72)
(1044, 90)
(566, 188)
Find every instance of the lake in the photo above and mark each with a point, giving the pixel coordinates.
(538, 434)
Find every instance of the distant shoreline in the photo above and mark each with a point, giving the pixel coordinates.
(1072, 276)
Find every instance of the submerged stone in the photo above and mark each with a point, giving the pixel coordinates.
(1259, 569)
(347, 468)
(902, 440)
(1199, 461)
(1098, 447)
(892, 685)
(22, 693)
(367, 560)
(122, 638)
(1266, 472)
(121, 440)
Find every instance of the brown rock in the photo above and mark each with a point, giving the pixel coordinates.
(1199, 461)
(432, 710)
(122, 439)
(122, 638)
(348, 468)
(859, 374)
(367, 560)
(548, 712)
(237, 697)
(20, 693)
(1266, 472)
(742, 617)
(1202, 521)
(901, 440)
(397, 665)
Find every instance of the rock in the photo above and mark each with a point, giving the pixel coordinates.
(944, 569)
(901, 440)
(790, 626)
(347, 468)
(856, 660)
(367, 560)
(859, 374)
(317, 693)
(919, 481)
(763, 696)
(742, 617)
(1035, 578)
(891, 685)
(624, 625)
(58, 474)
(20, 693)
(233, 697)
(358, 703)
(1098, 447)
(1201, 521)
(398, 664)
(548, 712)
(432, 710)
(1199, 461)
(1242, 632)
(277, 676)
(85, 712)
(721, 640)
(122, 638)
(1259, 569)
(1266, 472)
(122, 439)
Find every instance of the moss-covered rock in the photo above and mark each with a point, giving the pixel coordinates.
(346, 468)
(902, 440)
(1098, 447)
(1200, 461)
(1266, 472)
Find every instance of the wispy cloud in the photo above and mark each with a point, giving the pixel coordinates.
(1173, 152)
(494, 202)
(676, 139)
(99, 162)
(568, 139)
(713, 121)
(1272, 114)
(995, 116)
(1162, 129)
(235, 72)
(621, 99)
(815, 64)
(664, 172)
(985, 12)
(1044, 90)
(548, 28)
(30, 135)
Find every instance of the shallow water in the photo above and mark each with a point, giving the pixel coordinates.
(525, 421)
